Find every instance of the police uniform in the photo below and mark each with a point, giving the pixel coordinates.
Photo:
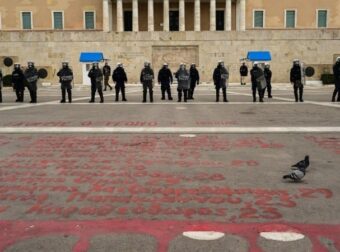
(31, 76)
(65, 78)
(296, 79)
(96, 77)
(256, 73)
(107, 74)
(336, 72)
(183, 79)
(1, 86)
(146, 78)
(119, 77)
(243, 73)
(18, 80)
(165, 79)
(220, 77)
(194, 80)
(268, 76)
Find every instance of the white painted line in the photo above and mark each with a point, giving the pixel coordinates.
(282, 236)
(203, 235)
(181, 108)
(168, 130)
(188, 135)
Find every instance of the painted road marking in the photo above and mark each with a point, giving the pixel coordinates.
(282, 236)
(203, 235)
(167, 130)
(188, 135)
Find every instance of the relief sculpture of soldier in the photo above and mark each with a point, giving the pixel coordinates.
(65, 75)
(18, 80)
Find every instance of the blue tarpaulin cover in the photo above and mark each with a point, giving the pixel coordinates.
(259, 56)
(91, 57)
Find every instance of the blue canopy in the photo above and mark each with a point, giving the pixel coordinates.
(91, 57)
(259, 56)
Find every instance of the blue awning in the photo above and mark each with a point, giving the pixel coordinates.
(91, 57)
(259, 56)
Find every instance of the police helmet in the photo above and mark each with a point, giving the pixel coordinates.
(337, 59)
(255, 63)
(30, 64)
(266, 65)
(146, 64)
(64, 64)
(16, 65)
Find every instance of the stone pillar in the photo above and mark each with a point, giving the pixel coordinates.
(227, 15)
(181, 15)
(212, 15)
(106, 16)
(165, 15)
(135, 23)
(151, 21)
(237, 15)
(120, 27)
(242, 15)
(197, 15)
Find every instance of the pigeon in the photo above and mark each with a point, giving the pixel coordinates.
(296, 175)
(303, 164)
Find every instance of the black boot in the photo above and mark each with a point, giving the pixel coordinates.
(254, 95)
(92, 97)
(169, 94)
(69, 94)
(144, 96)
(217, 95)
(100, 91)
(185, 95)
(117, 95)
(225, 95)
(151, 95)
(63, 94)
(0, 95)
(179, 96)
(301, 94)
(296, 95)
(334, 95)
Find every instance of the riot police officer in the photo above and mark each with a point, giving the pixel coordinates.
(165, 79)
(65, 75)
(107, 74)
(18, 79)
(243, 73)
(194, 80)
(146, 78)
(183, 79)
(336, 72)
(256, 73)
(0, 86)
(296, 80)
(268, 76)
(120, 78)
(31, 75)
(96, 77)
(221, 77)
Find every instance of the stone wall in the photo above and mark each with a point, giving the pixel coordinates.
(49, 49)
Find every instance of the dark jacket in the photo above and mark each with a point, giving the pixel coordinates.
(268, 75)
(295, 74)
(119, 76)
(336, 72)
(146, 76)
(0, 79)
(96, 76)
(183, 79)
(65, 75)
(107, 71)
(194, 76)
(220, 76)
(31, 76)
(244, 70)
(18, 79)
(255, 73)
(165, 76)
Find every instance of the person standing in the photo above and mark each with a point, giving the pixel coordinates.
(183, 79)
(107, 74)
(65, 75)
(296, 80)
(120, 78)
(243, 73)
(221, 77)
(268, 76)
(257, 76)
(1, 77)
(146, 78)
(165, 79)
(96, 77)
(31, 75)
(336, 72)
(18, 79)
(194, 80)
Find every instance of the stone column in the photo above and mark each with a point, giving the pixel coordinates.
(135, 23)
(242, 15)
(181, 15)
(212, 15)
(106, 17)
(120, 27)
(151, 22)
(227, 15)
(197, 15)
(165, 15)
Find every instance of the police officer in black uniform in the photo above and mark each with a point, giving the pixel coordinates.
(165, 79)
(18, 80)
(183, 80)
(243, 73)
(255, 73)
(336, 72)
(296, 80)
(31, 76)
(65, 75)
(146, 78)
(194, 80)
(120, 78)
(96, 77)
(107, 75)
(268, 76)
(1, 86)
(220, 77)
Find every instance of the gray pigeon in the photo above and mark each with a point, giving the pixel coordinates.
(296, 175)
(303, 164)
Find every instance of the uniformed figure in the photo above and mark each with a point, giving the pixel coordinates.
(146, 78)
(120, 78)
(194, 80)
(221, 77)
(18, 80)
(65, 75)
(165, 80)
(31, 76)
(107, 75)
(336, 72)
(243, 73)
(256, 74)
(183, 79)
(296, 80)
(268, 76)
(96, 77)
(1, 86)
